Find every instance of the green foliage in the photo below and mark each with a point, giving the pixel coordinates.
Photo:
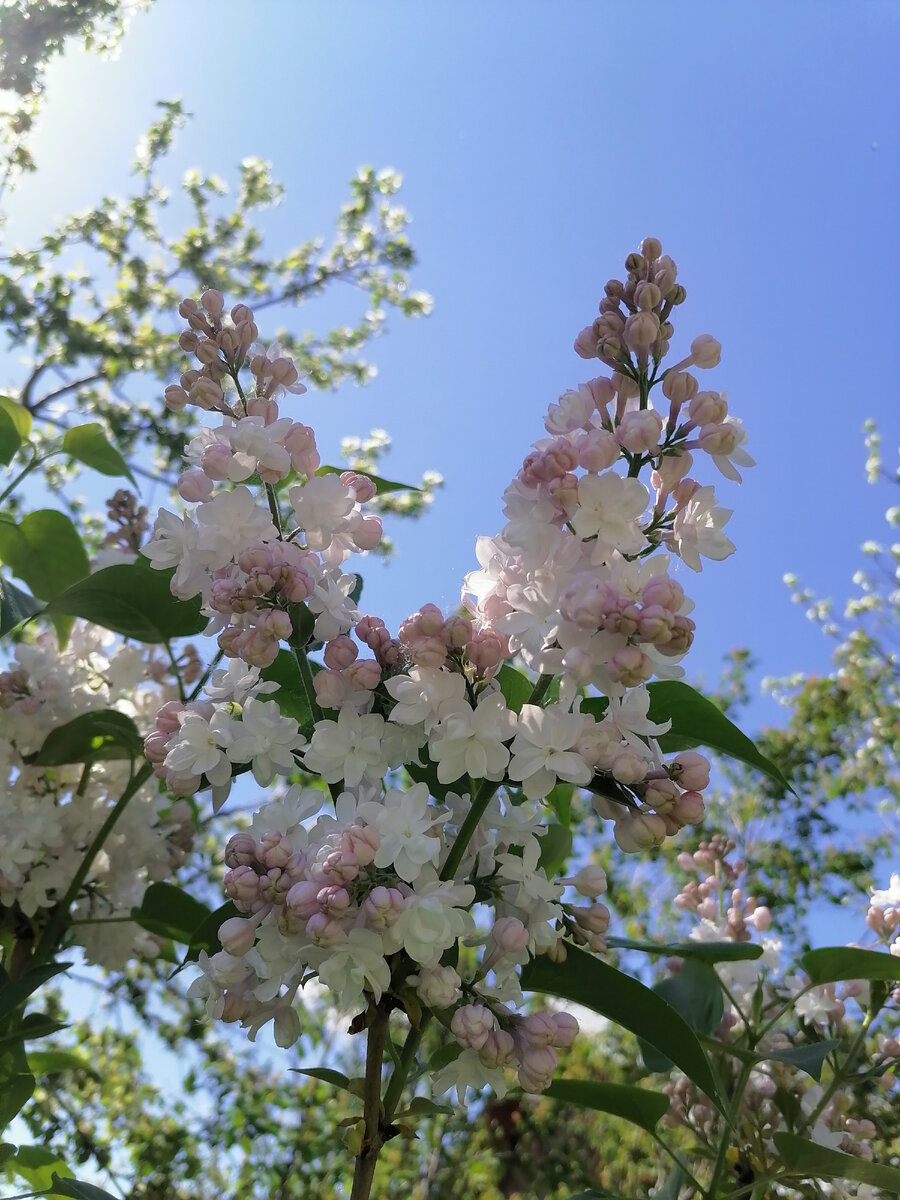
(16, 606)
(638, 1105)
(849, 962)
(134, 600)
(587, 980)
(694, 992)
(806, 1159)
(89, 445)
(92, 736)
(169, 912)
(45, 551)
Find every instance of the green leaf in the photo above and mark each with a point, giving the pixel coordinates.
(16, 606)
(53, 1062)
(711, 952)
(38, 1165)
(19, 415)
(89, 445)
(809, 1058)
(15, 992)
(103, 734)
(443, 1056)
(45, 551)
(77, 1189)
(697, 722)
(291, 695)
(134, 600)
(515, 686)
(7, 1150)
(381, 485)
(10, 441)
(335, 1078)
(38, 1025)
(556, 846)
(812, 1161)
(169, 912)
(834, 963)
(421, 1106)
(634, 1104)
(696, 993)
(206, 935)
(589, 981)
(671, 1189)
(16, 1081)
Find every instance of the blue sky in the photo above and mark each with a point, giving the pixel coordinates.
(539, 143)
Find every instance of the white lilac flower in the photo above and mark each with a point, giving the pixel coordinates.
(531, 882)
(698, 529)
(627, 717)
(228, 523)
(349, 748)
(433, 918)
(408, 827)
(201, 746)
(353, 964)
(725, 462)
(609, 507)
(333, 605)
(237, 682)
(470, 741)
(468, 1071)
(890, 896)
(266, 740)
(542, 751)
(425, 695)
(322, 506)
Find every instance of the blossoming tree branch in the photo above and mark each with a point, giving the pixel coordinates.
(415, 859)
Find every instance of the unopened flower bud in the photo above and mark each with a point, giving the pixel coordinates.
(510, 935)
(498, 1050)
(705, 351)
(471, 1025)
(641, 330)
(693, 770)
(593, 919)
(438, 987)
(589, 881)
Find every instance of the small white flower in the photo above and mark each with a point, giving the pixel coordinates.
(407, 826)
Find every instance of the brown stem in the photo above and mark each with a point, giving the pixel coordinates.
(373, 1139)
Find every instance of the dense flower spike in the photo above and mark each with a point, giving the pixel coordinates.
(371, 894)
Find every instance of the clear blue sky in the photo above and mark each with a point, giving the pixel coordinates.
(539, 143)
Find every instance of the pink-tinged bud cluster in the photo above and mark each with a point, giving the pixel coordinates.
(373, 632)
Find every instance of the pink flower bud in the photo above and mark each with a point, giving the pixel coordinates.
(689, 808)
(438, 987)
(498, 1050)
(586, 343)
(708, 408)
(156, 746)
(240, 850)
(537, 1068)
(593, 919)
(590, 881)
(242, 886)
(760, 919)
(510, 935)
(718, 439)
(360, 843)
(362, 485)
(641, 330)
(683, 492)
(627, 766)
(330, 688)
(237, 935)
(324, 931)
(471, 1025)
(634, 833)
(537, 1029)
(365, 674)
(630, 666)
(647, 295)
(382, 907)
(303, 899)
(194, 486)
(705, 351)
(168, 716)
(639, 431)
(214, 303)
(567, 1028)
(340, 653)
(671, 470)
(333, 901)
(368, 533)
(693, 770)
(679, 387)
(175, 397)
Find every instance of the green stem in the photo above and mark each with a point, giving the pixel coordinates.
(712, 1191)
(274, 510)
(398, 1079)
(306, 678)
(47, 945)
(468, 827)
(373, 1139)
(841, 1074)
(177, 674)
(676, 1159)
(35, 462)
